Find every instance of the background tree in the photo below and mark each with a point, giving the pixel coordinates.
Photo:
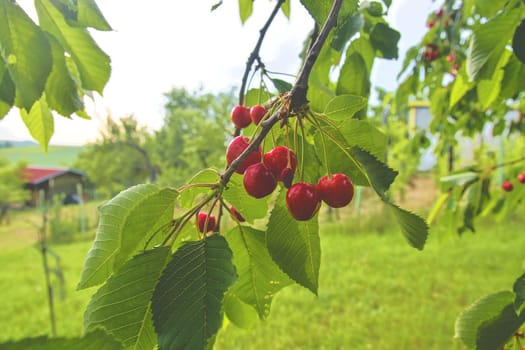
(11, 187)
(195, 132)
(122, 157)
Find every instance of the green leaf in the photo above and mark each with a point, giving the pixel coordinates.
(259, 277)
(309, 158)
(411, 55)
(363, 46)
(385, 40)
(39, 122)
(488, 42)
(285, 7)
(122, 306)
(281, 85)
(459, 88)
(187, 300)
(413, 227)
(61, 89)
(27, 52)
(89, 15)
(489, 322)
(245, 9)
(240, 314)
(250, 208)
(519, 290)
(343, 34)
(364, 135)
(517, 41)
(353, 79)
(294, 245)
(320, 9)
(97, 340)
(460, 179)
(7, 89)
(92, 63)
(126, 221)
(513, 79)
(256, 96)
(338, 156)
(188, 195)
(489, 89)
(437, 207)
(379, 175)
(344, 106)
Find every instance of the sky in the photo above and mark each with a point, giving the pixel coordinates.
(183, 44)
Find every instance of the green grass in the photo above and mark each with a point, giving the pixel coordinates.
(375, 291)
(57, 156)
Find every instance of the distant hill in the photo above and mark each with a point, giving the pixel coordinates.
(9, 144)
(32, 153)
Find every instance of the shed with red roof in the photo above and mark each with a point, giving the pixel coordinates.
(53, 181)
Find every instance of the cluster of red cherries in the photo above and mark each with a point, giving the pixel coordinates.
(508, 186)
(262, 172)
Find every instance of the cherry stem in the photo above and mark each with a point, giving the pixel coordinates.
(300, 123)
(254, 55)
(297, 94)
(188, 186)
(316, 123)
(186, 217)
(510, 162)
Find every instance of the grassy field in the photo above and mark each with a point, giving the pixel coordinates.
(375, 291)
(57, 156)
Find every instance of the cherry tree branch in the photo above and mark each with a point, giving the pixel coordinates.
(254, 56)
(300, 89)
(297, 96)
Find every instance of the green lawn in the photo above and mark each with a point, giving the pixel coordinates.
(57, 156)
(375, 291)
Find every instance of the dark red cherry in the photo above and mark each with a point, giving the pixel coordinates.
(236, 147)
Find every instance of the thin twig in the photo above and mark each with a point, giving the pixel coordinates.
(298, 93)
(254, 55)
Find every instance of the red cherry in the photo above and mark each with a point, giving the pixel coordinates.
(201, 220)
(451, 57)
(431, 24)
(257, 112)
(241, 116)
(277, 160)
(336, 191)
(237, 215)
(236, 147)
(507, 186)
(286, 177)
(259, 181)
(303, 201)
(521, 178)
(439, 14)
